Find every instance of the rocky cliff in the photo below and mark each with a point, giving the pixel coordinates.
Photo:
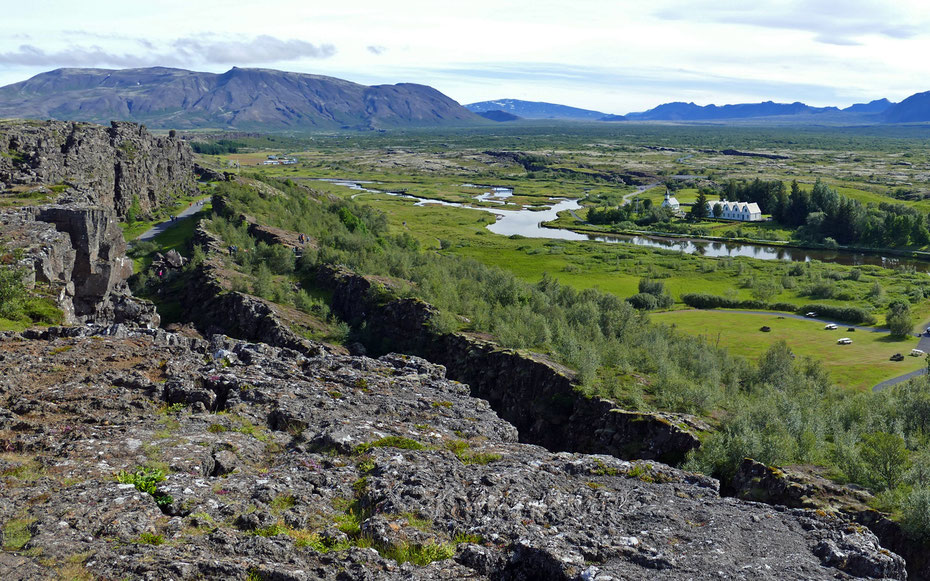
(536, 395)
(75, 246)
(94, 165)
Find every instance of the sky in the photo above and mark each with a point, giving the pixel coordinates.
(614, 56)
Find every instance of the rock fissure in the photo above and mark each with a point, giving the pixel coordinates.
(276, 457)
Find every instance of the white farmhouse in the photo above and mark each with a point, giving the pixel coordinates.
(742, 211)
(670, 202)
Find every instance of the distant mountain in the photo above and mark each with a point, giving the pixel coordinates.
(876, 106)
(499, 116)
(262, 99)
(680, 111)
(535, 110)
(915, 108)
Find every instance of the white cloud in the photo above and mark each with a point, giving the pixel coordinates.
(615, 56)
(180, 52)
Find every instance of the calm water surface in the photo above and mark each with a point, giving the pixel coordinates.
(529, 223)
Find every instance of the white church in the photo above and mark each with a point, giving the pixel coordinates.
(671, 202)
(742, 211)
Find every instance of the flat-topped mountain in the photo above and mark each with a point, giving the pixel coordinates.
(680, 111)
(239, 98)
(535, 109)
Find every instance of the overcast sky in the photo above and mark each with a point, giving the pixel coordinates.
(615, 56)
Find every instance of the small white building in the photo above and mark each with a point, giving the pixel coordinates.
(742, 211)
(670, 202)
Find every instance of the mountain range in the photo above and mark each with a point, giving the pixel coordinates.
(271, 100)
(914, 109)
(239, 98)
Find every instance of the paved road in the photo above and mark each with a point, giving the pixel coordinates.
(818, 319)
(637, 191)
(159, 228)
(923, 344)
(626, 199)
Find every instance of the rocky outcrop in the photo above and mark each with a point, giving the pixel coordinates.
(76, 246)
(792, 488)
(101, 166)
(214, 307)
(536, 395)
(80, 253)
(211, 175)
(261, 462)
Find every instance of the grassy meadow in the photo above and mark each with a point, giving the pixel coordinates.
(599, 160)
(859, 366)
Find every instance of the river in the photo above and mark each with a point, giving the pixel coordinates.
(528, 223)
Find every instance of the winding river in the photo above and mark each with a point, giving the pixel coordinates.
(528, 223)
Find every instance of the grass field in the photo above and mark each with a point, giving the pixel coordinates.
(860, 365)
(617, 268)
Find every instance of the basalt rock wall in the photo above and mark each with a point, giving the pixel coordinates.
(535, 395)
(106, 166)
(80, 253)
(215, 308)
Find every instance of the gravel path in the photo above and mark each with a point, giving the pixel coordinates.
(159, 228)
(626, 198)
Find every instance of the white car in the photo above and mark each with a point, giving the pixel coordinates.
(844, 341)
(917, 352)
(810, 314)
(829, 326)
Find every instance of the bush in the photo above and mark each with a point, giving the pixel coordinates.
(899, 319)
(12, 292)
(643, 302)
(854, 315)
(916, 513)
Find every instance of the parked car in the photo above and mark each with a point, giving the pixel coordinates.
(897, 357)
(765, 329)
(844, 341)
(917, 353)
(829, 326)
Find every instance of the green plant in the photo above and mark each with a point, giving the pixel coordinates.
(365, 464)
(146, 480)
(418, 554)
(389, 442)
(461, 449)
(151, 539)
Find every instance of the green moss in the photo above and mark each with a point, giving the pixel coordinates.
(389, 442)
(17, 533)
(283, 502)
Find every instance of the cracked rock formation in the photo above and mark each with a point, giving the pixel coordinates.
(284, 466)
(104, 166)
